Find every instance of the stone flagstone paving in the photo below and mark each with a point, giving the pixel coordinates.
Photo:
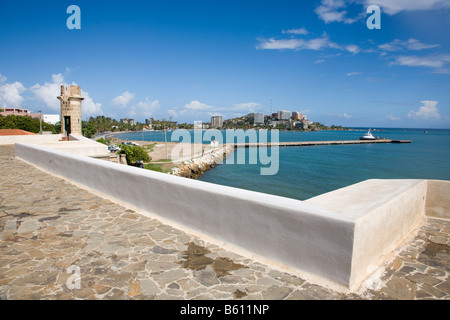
(52, 231)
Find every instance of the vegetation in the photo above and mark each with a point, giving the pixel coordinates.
(26, 123)
(149, 147)
(186, 126)
(157, 167)
(318, 126)
(101, 124)
(134, 153)
(102, 140)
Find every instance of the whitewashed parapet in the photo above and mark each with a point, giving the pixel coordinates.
(289, 232)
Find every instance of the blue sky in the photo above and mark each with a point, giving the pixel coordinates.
(190, 60)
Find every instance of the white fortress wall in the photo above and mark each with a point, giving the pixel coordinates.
(76, 145)
(289, 232)
(385, 212)
(438, 199)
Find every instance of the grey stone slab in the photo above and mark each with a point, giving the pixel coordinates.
(28, 226)
(149, 287)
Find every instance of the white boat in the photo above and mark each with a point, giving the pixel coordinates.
(367, 136)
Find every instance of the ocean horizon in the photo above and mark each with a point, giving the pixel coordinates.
(305, 172)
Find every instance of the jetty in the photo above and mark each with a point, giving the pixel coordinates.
(314, 143)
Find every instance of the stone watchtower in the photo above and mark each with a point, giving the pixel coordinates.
(71, 110)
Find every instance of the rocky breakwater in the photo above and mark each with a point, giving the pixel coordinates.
(195, 168)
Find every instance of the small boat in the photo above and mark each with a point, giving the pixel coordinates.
(367, 136)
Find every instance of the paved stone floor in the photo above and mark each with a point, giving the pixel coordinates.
(58, 241)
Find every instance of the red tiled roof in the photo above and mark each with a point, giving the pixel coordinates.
(15, 132)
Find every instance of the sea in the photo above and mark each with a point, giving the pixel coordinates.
(305, 172)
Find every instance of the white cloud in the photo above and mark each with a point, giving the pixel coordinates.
(319, 61)
(305, 44)
(89, 107)
(392, 117)
(392, 7)
(411, 44)
(355, 73)
(172, 112)
(280, 44)
(213, 114)
(438, 62)
(346, 116)
(197, 106)
(11, 93)
(146, 108)
(428, 111)
(328, 10)
(123, 100)
(301, 44)
(334, 11)
(246, 107)
(49, 91)
(296, 31)
(353, 48)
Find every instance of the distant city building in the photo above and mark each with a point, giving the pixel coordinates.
(283, 115)
(298, 125)
(258, 118)
(5, 111)
(216, 122)
(198, 125)
(149, 122)
(297, 115)
(131, 122)
(275, 123)
(52, 118)
(274, 115)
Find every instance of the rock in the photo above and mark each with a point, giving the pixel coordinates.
(63, 264)
(400, 288)
(276, 293)
(149, 288)
(135, 289)
(198, 167)
(28, 226)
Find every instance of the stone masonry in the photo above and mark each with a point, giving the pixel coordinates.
(71, 107)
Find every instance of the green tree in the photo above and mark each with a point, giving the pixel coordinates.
(25, 123)
(134, 153)
(89, 128)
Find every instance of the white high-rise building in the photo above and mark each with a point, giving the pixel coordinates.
(216, 122)
(258, 118)
(284, 115)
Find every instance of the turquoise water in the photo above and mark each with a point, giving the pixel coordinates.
(305, 172)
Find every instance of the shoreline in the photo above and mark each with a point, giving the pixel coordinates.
(192, 166)
(196, 167)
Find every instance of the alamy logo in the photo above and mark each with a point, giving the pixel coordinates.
(374, 21)
(259, 151)
(74, 21)
(74, 281)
